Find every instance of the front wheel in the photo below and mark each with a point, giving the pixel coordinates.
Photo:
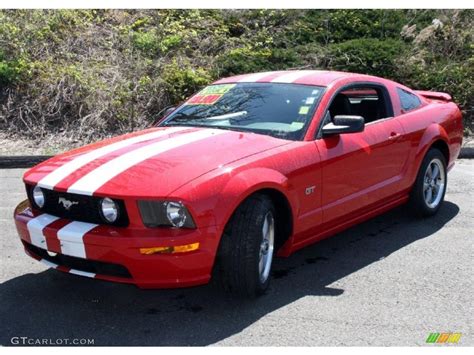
(247, 247)
(430, 186)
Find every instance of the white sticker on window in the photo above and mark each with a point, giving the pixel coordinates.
(310, 100)
(297, 125)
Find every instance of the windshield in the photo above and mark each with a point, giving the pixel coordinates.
(280, 110)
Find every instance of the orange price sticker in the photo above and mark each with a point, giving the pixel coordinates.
(203, 99)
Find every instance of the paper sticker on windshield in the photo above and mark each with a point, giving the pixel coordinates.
(203, 99)
(297, 125)
(310, 100)
(304, 110)
(216, 89)
(210, 95)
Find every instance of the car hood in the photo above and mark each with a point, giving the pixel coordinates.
(149, 163)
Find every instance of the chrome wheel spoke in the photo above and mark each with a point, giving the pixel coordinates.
(435, 172)
(265, 229)
(429, 171)
(429, 195)
(426, 186)
(266, 247)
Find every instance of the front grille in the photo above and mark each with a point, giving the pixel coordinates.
(87, 208)
(71, 262)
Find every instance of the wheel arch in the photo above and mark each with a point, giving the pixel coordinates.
(442, 146)
(284, 213)
(259, 181)
(434, 136)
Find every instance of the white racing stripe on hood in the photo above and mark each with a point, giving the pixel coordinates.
(53, 178)
(98, 177)
(291, 77)
(35, 228)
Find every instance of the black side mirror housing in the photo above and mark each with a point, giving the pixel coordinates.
(343, 124)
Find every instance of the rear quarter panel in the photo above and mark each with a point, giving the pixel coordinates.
(435, 120)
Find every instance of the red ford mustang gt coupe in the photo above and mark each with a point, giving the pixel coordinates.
(250, 167)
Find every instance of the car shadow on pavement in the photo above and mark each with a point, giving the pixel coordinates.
(53, 305)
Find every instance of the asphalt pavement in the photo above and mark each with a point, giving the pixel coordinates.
(390, 281)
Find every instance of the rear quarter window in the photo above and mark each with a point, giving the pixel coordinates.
(408, 101)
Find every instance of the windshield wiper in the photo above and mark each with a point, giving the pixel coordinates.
(183, 116)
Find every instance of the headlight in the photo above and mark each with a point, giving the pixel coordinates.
(109, 210)
(176, 213)
(38, 196)
(165, 213)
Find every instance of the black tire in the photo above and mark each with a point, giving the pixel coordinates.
(239, 251)
(418, 203)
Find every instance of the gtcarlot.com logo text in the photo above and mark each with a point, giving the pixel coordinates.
(50, 341)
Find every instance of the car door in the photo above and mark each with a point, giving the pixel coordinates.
(360, 170)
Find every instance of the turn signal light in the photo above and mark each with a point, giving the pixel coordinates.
(170, 250)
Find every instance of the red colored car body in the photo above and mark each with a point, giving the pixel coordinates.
(318, 183)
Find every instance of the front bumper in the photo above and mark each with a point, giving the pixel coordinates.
(113, 253)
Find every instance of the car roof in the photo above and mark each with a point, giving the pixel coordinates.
(308, 77)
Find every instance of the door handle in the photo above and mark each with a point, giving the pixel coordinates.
(394, 135)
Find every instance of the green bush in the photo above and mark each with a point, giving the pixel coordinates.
(366, 55)
(7, 73)
(92, 73)
(170, 42)
(147, 42)
(247, 60)
(11, 70)
(182, 80)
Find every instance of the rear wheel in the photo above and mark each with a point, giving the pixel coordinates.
(247, 247)
(430, 186)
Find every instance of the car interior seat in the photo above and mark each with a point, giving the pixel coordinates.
(340, 106)
(370, 110)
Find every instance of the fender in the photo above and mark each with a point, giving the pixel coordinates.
(240, 185)
(433, 133)
(244, 184)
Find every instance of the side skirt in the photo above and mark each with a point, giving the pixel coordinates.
(332, 229)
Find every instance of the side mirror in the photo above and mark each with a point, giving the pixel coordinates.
(344, 124)
(164, 113)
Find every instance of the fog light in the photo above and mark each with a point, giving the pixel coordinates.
(38, 196)
(109, 210)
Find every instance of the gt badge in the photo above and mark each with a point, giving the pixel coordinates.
(309, 190)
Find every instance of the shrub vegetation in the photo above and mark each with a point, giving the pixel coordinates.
(86, 74)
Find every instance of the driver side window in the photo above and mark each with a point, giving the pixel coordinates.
(366, 101)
